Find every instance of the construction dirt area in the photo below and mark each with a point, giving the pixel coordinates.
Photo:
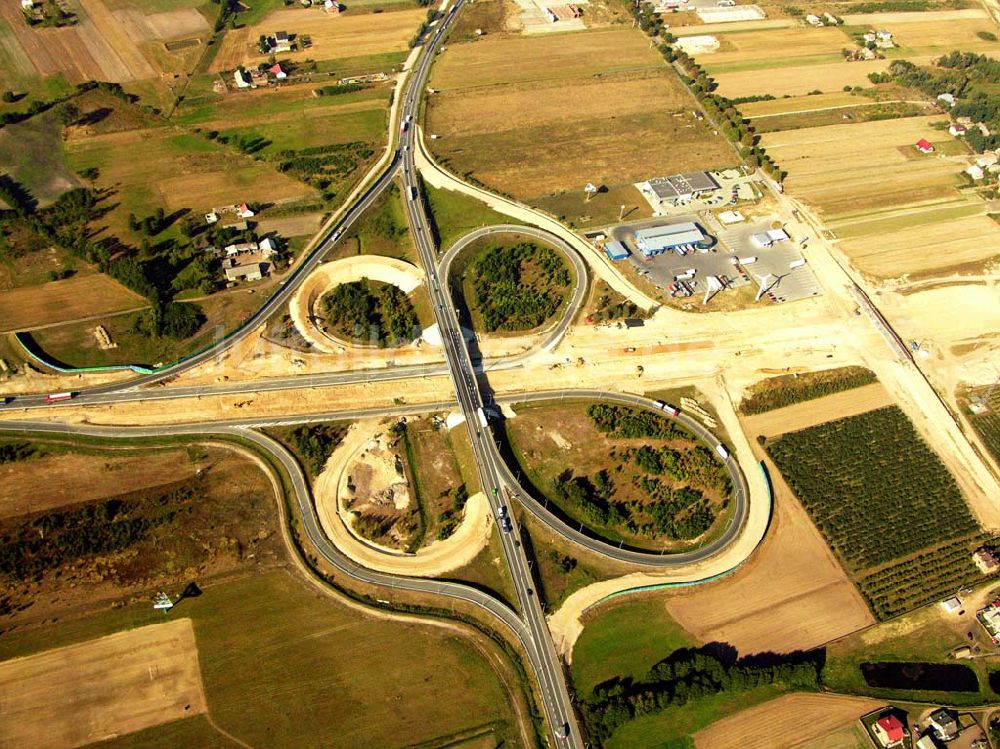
(437, 558)
(96, 690)
(791, 721)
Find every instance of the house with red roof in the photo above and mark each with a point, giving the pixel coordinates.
(889, 731)
(277, 71)
(924, 146)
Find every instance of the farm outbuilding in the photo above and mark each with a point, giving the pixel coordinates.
(767, 238)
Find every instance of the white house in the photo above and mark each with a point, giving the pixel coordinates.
(975, 171)
(987, 159)
(249, 272)
(282, 43)
(957, 129)
(211, 218)
(268, 247)
(948, 99)
(242, 78)
(243, 211)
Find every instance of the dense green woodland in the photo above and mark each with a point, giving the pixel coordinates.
(518, 287)
(687, 675)
(372, 311)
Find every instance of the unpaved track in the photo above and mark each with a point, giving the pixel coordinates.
(437, 558)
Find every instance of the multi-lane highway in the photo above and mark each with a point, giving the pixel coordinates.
(528, 624)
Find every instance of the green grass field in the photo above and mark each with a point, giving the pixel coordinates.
(625, 638)
(455, 215)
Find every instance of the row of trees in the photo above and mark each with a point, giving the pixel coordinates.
(778, 392)
(731, 123)
(625, 422)
(873, 487)
(688, 675)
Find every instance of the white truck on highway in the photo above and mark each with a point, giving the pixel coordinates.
(413, 192)
(481, 415)
(722, 451)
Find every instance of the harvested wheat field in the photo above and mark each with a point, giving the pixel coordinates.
(77, 477)
(797, 104)
(840, 169)
(787, 722)
(752, 50)
(103, 688)
(541, 115)
(797, 80)
(792, 594)
(83, 295)
(933, 32)
(818, 411)
(332, 36)
(926, 248)
(518, 59)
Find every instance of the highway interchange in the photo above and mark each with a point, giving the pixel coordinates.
(502, 488)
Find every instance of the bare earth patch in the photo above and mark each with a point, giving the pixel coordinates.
(792, 594)
(819, 410)
(785, 723)
(103, 688)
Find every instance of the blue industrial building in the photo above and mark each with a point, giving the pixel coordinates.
(616, 250)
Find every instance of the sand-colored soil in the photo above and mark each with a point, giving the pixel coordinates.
(96, 690)
(75, 298)
(75, 477)
(790, 721)
(406, 276)
(792, 593)
(437, 558)
(819, 411)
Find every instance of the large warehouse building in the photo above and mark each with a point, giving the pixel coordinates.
(680, 187)
(657, 239)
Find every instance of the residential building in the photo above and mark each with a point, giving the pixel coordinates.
(282, 42)
(211, 218)
(814, 20)
(986, 561)
(924, 146)
(278, 72)
(957, 129)
(243, 211)
(242, 78)
(947, 99)
(987, 159)
(889, 731)
(943, 723)
(975, 171)
(268, 247)
(232, 250)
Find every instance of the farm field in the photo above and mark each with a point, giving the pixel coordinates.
(815, 412)
(791, 721)
(542, 115)
(798, 80)
(668, 494)
(317, 667)
(120, 683)
(894, 487)
(787, 390)
(793, 594)
(332, 36)
(911, 205)
(74, 477)
(80, 296)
